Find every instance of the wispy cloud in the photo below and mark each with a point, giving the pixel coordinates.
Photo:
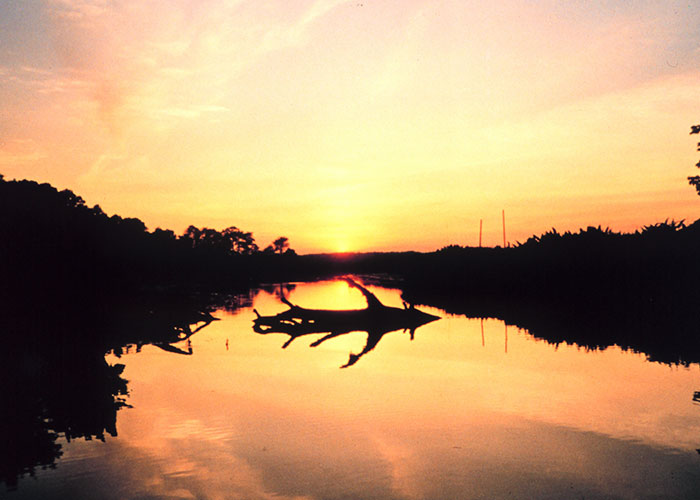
(194, 111)
(19, 152)
(144, 60)
(283, 36)
(262, 96)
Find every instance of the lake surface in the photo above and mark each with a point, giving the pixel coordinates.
(469, 408)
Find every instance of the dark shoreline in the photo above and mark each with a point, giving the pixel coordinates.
(61, 258)
(76, 284)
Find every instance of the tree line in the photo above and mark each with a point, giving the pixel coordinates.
(25, 202)
(231, 240)
(52, 243)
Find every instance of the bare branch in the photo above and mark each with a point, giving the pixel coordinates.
(286, 301)
(372, 300)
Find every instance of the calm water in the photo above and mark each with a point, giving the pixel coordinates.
(468, 409)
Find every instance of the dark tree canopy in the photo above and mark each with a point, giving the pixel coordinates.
(280, 244)
(52, 242)
(231, 240)
(239, 242)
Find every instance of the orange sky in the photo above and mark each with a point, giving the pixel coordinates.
(357, 125)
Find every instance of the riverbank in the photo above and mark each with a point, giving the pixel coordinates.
(639, 290)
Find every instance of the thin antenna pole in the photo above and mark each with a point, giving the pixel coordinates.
(503, 215)
(481, 225)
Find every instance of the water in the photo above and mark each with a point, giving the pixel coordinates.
(467, 409)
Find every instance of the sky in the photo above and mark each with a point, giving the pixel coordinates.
(362, 125)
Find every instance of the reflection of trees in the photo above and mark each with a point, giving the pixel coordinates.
(669, 335)
(56, 390)
(55, 375)
(595, 288)
(279, 290)
(232, 301)
(376, 320)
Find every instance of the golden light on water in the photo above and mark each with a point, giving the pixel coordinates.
(451, 371)
(450, 410)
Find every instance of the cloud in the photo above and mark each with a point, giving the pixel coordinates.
(170, 469)
(283, 36)
(260, 96)
(194, 111)
(131, 47)
(17, 159)
(20, 153)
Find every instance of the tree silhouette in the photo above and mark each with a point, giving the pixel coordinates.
(192, 235)
(239, 242)
(229, 241)
(280, 244)
(695, 179)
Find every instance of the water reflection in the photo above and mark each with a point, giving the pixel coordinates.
(668, 335)
(376, 320)
(59, 384)
(449, 415)
(76, 396)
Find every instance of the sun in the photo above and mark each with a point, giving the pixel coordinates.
(342, 246)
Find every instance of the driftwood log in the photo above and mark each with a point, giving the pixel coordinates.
(376, 320)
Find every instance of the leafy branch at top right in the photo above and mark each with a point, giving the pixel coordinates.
(695, 179)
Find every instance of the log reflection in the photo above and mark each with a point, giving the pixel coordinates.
(376, 320)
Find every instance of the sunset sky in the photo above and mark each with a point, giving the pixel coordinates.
(363, 125)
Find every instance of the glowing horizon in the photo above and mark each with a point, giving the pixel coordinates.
(351, 126)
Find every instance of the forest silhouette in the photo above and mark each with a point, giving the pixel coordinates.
(77, 284)
(606, 287)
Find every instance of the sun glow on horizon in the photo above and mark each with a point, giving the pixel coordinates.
(342, 247)
(357, 127)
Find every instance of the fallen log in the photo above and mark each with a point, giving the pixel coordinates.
(376, 320)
